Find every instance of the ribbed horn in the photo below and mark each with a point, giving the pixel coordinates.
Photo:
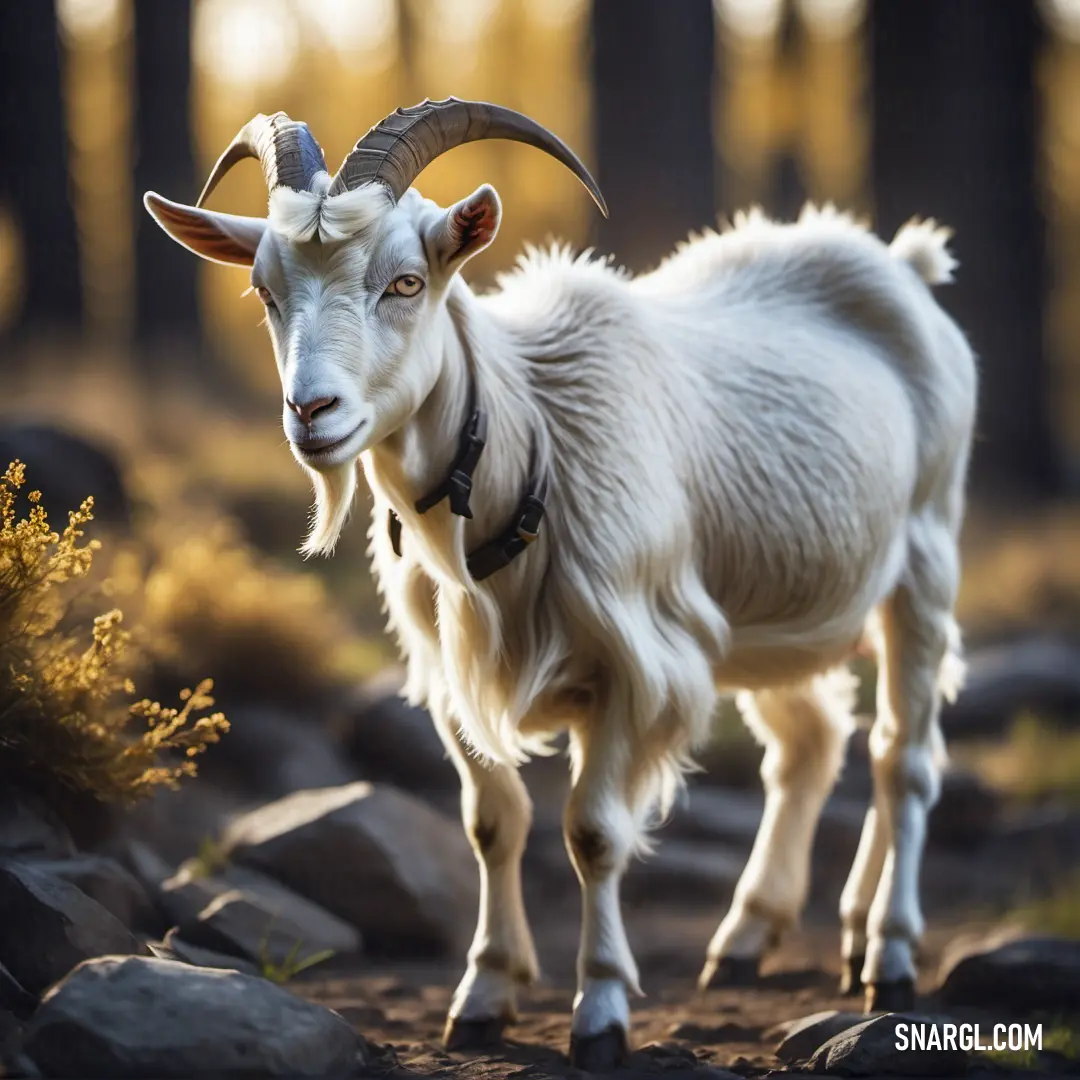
(395, 151)
(286, 149)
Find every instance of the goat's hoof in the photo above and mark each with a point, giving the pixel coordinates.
(898, 996)
(851, 975)
(602, 1052)
(463, 1034)
(729, 971)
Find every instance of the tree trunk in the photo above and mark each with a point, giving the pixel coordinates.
(166, 278)
(652, 69)
(955, 130)
(33, 168)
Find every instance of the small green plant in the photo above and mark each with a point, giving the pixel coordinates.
(1037, 760)
(292, 965)
(67, 724)
(208, 860)
(1058, 913)
(1061, 1035)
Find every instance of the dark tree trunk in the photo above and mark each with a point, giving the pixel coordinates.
(652, 73)
(33, 167)
(955, 138)
(787, 191)
(166, 302)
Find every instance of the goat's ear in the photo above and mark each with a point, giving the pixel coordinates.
(467, 227)
(221, 238)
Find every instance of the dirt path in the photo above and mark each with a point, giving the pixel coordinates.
(676, 1030)
(669, 920)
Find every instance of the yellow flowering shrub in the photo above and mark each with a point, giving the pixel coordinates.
(67, 724)
(270, 632)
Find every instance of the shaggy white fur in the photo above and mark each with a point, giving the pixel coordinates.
(755, 455)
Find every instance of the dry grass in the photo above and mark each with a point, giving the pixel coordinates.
(1058, 913)
(67, 724)
(1037, 761)
(270, 633)
(1023, 572)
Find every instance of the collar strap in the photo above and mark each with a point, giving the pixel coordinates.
(504, 548)
(514, 539)
(457, 486)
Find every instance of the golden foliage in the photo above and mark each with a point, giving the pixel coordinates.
(269, 632)
(1058, 913)
(1022, 572)
(63, 722)
(1038, 761)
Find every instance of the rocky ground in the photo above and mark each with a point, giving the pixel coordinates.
(402, 1007)
(304, 909)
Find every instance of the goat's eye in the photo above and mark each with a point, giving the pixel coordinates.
(266, 297)
(406, 285)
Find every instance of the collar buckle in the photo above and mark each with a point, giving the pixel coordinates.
(532, 513)
(457, 487)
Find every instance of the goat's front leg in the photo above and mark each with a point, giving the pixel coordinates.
(601, 831)
(497, 813)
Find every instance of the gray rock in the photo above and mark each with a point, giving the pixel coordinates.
(966, 813)
(137, 1016)
(800, 1038)
(147, 866)
(30, 829)
(272, 753)
(13, 998)
(1012, 972)
(870, 1049)
(1039, 673)
(47, 926)
(718, 813)
(66, 468)
(683, 869)
(106, 881)
(183, 895)
(178, 895)
(390, 740)
(320, 928)
(10, 1037)
(175, 824)
(733, 816)
(400, 872)
(239, 925)
(173, 947)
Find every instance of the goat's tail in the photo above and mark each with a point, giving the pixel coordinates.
(923, 245)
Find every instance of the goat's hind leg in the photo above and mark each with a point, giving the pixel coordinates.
(497, 813)
(856, 899)
(906, 753)
(805, 731)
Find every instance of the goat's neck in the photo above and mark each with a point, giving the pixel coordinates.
(417, 458)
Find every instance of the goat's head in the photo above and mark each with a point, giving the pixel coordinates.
(352, 270)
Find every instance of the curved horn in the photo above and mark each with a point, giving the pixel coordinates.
(287, 150)
(396, 151)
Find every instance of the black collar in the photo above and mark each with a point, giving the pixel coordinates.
(457, 487)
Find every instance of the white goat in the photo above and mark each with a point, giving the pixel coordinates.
(749, 457)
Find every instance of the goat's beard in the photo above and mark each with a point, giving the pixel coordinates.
(335, 488)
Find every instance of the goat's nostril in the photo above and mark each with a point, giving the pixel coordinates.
(308, 410)
(322, 405)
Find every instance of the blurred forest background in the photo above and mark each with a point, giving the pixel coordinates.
(134, 372)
